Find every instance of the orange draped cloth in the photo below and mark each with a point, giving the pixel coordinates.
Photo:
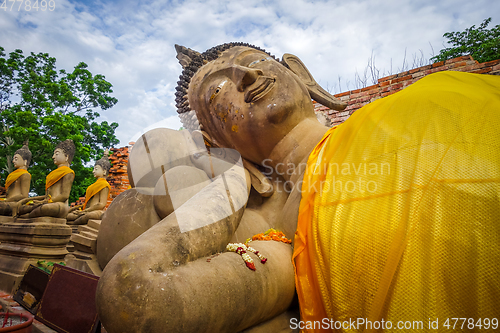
(95, 188)
(57, 174)
(13, 176)
(400, 210)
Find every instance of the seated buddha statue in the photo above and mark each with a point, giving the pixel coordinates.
(393, 214)
(57, 187)
(17, 183)
(96, 196)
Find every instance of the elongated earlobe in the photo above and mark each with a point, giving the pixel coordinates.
(317, 93)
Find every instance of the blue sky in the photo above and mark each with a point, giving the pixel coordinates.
(132, 42)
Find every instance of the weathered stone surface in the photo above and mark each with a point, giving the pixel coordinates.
(176, 186)
(86, 229)
(83, 240)
(23, 244)
(130, 214)
(224, 284)
(96, 224)
(148, 161)
(85, 262)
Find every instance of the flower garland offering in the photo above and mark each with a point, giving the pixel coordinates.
(242, 249)
(271, 234)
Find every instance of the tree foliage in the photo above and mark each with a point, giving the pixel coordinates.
(44, 106)
(481, 43)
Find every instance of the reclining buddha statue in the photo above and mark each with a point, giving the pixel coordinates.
(393, 215)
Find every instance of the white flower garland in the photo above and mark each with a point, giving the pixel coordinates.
(242, 250)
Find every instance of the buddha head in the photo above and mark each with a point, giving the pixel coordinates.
(102, 166)
(64, 152)
(243, 98)
(22, 157)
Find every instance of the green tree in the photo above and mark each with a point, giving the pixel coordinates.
(481, 43)
(44, 106)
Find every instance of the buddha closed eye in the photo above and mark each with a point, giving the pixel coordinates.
(253, 63)
(217, 90)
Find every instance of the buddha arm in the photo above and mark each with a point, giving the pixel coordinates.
(25, 200)
(201, 227)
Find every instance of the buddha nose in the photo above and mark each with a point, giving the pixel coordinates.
(244, 76)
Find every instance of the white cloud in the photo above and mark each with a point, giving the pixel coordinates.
(131, 42)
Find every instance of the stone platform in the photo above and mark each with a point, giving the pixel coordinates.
(84, 243)
(25, 241)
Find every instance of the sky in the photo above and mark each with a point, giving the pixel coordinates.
(131, 43)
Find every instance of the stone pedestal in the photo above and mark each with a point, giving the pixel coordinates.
(25, 241)
(83, 257)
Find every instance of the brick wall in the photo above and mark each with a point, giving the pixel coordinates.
(118, 178)
(390, 84)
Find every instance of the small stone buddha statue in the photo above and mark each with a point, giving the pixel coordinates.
(57, 187)
(96, 196)
(17, 183)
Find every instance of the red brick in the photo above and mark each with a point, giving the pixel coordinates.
(403, 78)
(403, 74)
(491, 63)
(418, 75)
(397, 86)
(481, 71)
(468, 68)
(390, 77)
(369, 88)
(435, 70)
(496, 68)
(343, 94)
(437, 64)
(459, 64)
(363, 99)
(383, 84)
(457, 59)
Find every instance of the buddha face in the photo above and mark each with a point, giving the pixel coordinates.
(19, 162)
(98, 171)
(248, 101)
(59, 157)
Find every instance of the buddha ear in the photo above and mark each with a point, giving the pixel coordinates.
(317, 93)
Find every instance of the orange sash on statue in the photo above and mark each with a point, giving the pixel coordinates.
(13, 176)
(57, 174)
(95, 188)
(400, 208)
